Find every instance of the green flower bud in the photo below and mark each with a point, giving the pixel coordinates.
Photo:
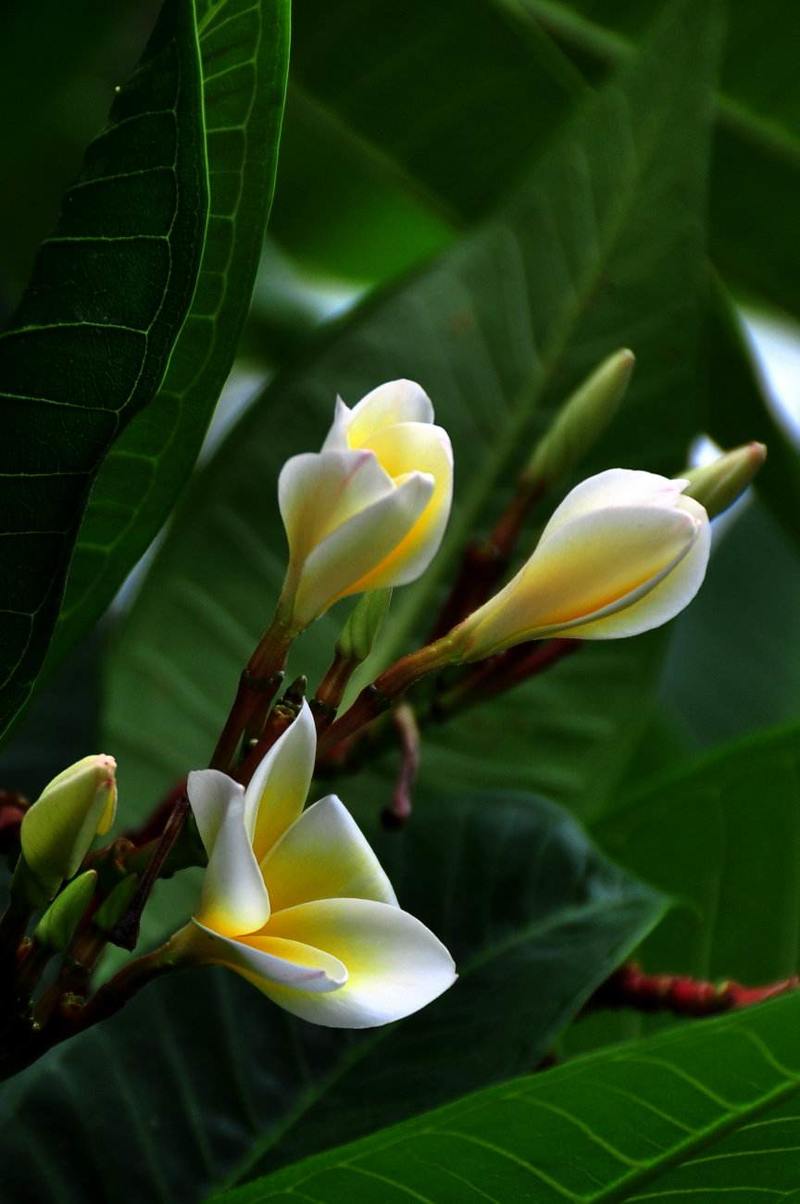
(582, 419)
(717, 485)
(362, 627)
(57, 926)
(58, 830)
(112, 909)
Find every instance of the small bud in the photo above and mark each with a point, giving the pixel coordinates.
(362, 627)
(58, 830)
(113, 908)
(582, 419)
(59, 923)
(717, 485)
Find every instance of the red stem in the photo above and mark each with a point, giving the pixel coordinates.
(631, 987)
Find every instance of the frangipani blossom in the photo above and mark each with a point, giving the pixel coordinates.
(296, 902)
(369, 510)
(624, 552)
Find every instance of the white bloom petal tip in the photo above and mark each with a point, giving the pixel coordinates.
(624, 552)
(369, 511)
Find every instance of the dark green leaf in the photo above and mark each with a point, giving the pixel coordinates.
(244, 51)
(201, 1077)
(93, 334)
(698, 1115)
(722, 838)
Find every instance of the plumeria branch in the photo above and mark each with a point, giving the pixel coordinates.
(680, 994)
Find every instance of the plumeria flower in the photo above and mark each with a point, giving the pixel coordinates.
(369, 510)
(624, 552)
(297, 903)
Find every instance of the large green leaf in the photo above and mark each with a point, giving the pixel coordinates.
(756, 161)
(244, 50)
(90, 341)
(699, 1115)
(201, 1077)
(601, 245)
(722, 838)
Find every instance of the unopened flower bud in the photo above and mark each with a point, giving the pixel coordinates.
(59, 923)
(59, 828)
(623, 553)
(113, 908)
(717, 485)
(582, 419)
(363, 625)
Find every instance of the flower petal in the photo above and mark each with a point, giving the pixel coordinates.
(391, 403)
(317, 492)
(614, 487)
(234, 898)
(324, 855)
(279, 787)
(353, 553)
(336, 438)
(661, 603)
(592, 566)
(401, 449)
(262, 960)
(395, 965)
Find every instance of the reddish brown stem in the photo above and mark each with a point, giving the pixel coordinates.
(631, 987)
(398, 813)
(330, 692)
(126, 931)
(500, 673)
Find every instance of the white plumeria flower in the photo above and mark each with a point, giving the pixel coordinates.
(296, 901)
(369, 510)
(623, 553)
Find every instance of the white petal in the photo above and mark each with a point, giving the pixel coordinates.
(396, 401)
(263, 960)
(614, 487)
(338, 566)
(319, 492)
(395, 965)
(594, 565)
(324, 855)
(234, 898)
(662, 602)
(279, 787)
(412, 446)
(336, 438)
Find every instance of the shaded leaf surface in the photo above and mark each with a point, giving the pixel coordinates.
(705, 1113)
(93, 333)
(200, 1077)
(244, 50)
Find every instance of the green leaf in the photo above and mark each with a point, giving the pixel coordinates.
(244, 49)
(201, 1077)
(756, 161)
(700, 1114)
(722, 838)
(94, 331)
(589, 253)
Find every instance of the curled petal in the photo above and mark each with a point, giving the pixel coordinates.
(391, 403)
(319, 492)
(342, 563)
(279, 787)
(324, 855)
(394, 964)
(267, 961)
(234, 898)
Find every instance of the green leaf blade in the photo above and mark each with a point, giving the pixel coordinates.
(693, 1114)
(243, 58)
(93, 333)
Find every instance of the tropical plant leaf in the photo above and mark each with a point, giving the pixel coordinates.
(90, 341)
(709, 1112)
(244, 50)
(578, 262)
(722, 837)
(201, 1077)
